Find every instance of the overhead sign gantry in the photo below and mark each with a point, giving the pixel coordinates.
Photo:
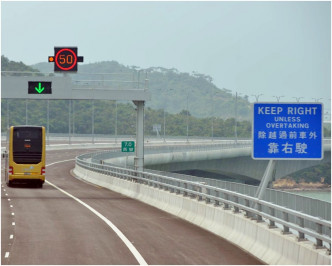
(62, 88)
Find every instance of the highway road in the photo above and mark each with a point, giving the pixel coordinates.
(71, 222)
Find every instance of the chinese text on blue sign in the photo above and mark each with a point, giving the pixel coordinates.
(287, 131)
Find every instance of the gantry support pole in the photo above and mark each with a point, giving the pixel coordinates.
(139, 158)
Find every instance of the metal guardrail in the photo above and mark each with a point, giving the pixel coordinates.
(251, 206)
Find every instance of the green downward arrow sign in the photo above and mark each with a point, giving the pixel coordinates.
(40, 88)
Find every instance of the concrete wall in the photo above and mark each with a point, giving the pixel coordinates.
(268, 245)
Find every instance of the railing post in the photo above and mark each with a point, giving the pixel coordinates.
(259, 217)
(207, 198)
(178, 191)
(185, 193)
(319, 242)
(226, 205)
(202, 190)
(248, 214)
(301, 236)
(160, 186)
(155, 185)
(271, 222)
(194, 188)
(217, 202)
(285, 230)
(236, 200)
(166, 187)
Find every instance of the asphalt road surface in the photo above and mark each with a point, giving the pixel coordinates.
(71, 222)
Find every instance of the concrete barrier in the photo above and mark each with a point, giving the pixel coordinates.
(268, 245)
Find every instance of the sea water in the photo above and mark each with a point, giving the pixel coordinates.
(321, 195)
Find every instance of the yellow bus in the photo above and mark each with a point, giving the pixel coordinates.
(25, 155)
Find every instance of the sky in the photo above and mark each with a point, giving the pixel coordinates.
(271, 48)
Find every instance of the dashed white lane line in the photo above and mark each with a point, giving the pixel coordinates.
(11, 236)
(13, 223)
(126, 241)
(6, 255)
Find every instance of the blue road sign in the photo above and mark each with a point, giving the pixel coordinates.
(288, 131)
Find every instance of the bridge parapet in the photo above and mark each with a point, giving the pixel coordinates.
(292, 221)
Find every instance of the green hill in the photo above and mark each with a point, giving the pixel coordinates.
(7, 65)
(170, 89)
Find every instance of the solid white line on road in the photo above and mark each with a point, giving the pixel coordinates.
(60, 162)
(130, 246)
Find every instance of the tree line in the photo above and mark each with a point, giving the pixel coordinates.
(110, 117)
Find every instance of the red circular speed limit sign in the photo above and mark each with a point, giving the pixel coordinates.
(66, 59)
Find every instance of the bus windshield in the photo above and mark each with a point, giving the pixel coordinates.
(27, 145)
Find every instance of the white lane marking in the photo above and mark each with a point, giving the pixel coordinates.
(11, 236)
(13, 213)
(8, 199)
(60, 162)
(6, 255)
(13, 223)
(125, 240)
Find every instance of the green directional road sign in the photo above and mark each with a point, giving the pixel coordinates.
(40, 87)
(128, 146)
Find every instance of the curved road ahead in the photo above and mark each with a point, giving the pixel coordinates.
(85, 226)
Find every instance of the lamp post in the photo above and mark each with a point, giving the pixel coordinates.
(116, 121)
(165, 116)
(257, 96)
(327, 117)
(212, 115)
(188, 114)
(7, 101)
(93, 120)
(297, 98)
(278, 97)
(235, 129)
(26, 111)
(317, 99)
(48, 121)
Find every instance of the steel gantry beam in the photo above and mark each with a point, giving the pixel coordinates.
(16, 87)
